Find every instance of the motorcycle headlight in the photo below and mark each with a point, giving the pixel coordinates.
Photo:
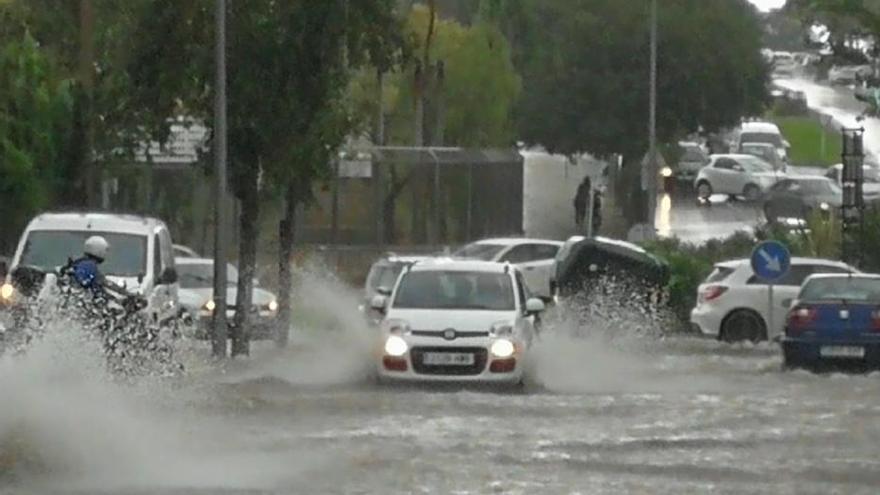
(502, 348)
(395, 346)
(501, 329)
(824, 206)
(6, 291)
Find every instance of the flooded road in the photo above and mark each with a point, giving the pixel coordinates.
(675, 415)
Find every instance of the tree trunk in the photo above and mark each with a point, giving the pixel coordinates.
(285, 258)
(86, 69)
(248, 219)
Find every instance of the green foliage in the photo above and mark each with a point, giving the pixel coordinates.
(35, 108)
(586, 80)
(805, 135)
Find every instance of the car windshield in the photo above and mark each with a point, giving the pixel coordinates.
(455, 290)
(764, 152)
(855, 289)
(761, 137)
(201, 275)
(481, 251)
(50, 249)
(755, 164)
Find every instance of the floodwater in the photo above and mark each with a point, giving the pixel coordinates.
(606, 412)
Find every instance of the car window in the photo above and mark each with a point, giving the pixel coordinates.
(545, 251)
(522, 290)
(455, 290)
(167, 249)
(798, 273)
(50, 249)
(523, 253)
(841, 288)
(782, 185)
(482, 251)
(718, 274)
(725, 163)
(201, 275)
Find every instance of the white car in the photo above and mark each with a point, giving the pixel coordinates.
(536, 258)
(761, 132)
(736, 175)
(197, 299)
(870, 180)
(141, 256)
(846, 75)
(456, 321)
(732, 303)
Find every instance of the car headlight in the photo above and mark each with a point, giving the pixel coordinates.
(210, 305)
(501, 329)
(395, 346)
(273, 305)
(6, 291)
(824, 206)
(666, 172)
(502, 348)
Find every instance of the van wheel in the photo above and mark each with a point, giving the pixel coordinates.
(743, 325)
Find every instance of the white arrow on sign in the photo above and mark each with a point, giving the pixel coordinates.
(772, 261)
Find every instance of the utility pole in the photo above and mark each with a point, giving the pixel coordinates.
(652, 124)
(86, 66)
(219, 321)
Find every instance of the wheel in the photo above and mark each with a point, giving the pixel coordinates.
(752, 192)
(704, 190)
(742, 325)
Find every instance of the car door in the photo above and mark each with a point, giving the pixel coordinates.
(524, 323)
(724, 180)
(739, 177)
(786, 199)
(164, 297)
(529, 258)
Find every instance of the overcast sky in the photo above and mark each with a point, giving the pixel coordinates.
(766, 5)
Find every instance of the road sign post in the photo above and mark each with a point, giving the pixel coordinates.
(770, 261)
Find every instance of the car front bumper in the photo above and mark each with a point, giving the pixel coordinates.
(486, 369)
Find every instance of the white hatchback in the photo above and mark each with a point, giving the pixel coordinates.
(456, 321)
(535, 257)
(736, 175)
(733, 303)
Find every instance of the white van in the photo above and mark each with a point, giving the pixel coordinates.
(141, 256)
(761, 133)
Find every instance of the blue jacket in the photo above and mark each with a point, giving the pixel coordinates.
(87, 275)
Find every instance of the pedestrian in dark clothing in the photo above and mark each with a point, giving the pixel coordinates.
(580, 201)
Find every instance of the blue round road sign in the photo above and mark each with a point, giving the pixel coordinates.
(771, 260)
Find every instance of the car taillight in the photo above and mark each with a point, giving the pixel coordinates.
(875, 320)
(801, 317)
(712, 292)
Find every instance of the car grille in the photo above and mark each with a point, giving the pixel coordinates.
(480, 357)
(458, 334)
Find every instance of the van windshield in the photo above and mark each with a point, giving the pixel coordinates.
(761, 137)
(50, 249)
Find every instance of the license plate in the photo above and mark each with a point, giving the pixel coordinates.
(842, 351)
(448, 359)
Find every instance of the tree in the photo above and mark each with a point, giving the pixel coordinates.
(35, 108)
(586, 80)
(844, 19)
(289, 64)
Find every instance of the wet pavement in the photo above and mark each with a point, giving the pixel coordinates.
(600, 415)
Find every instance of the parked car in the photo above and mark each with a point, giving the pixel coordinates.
(798, 196)
(197, 299)
(181, 251)
(784, 64)
(383, 276)
(732, 301)
(456, 320)
(766, 152)
(692, 159)
(762, 132)
(835, 321)
(736, 175)
(534, 257)
(140, 258)
(870, 181)
(847, 75)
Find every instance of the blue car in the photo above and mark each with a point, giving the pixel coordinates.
(834, 323)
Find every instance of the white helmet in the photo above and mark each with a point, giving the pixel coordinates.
(97, 247)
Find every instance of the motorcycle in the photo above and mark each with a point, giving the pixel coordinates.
(132, 344)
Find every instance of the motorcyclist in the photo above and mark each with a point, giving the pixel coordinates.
(85, 271)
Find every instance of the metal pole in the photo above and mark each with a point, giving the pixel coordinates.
(334, 207)
(219, 321)
(771, 330)
(589, 219)
(652, 122)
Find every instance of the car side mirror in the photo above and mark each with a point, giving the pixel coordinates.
(379, 302)
(535, 306)
(786, 144)
(167, 277)
(385, 291)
